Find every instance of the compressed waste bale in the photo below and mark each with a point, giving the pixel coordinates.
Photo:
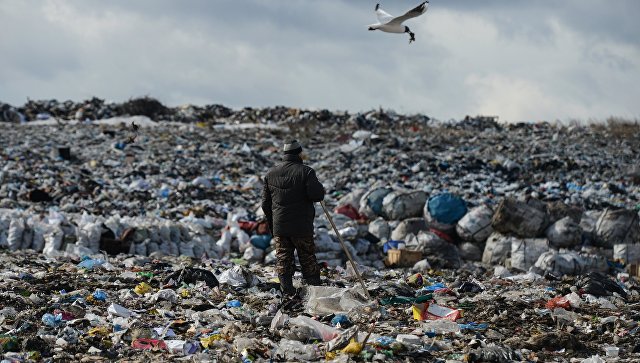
(16, 231)
(53, 240)
(627, 253)
(569, 263)
(519, 218)
(89, 233)
(325, 242)
(564, 233)
(371, 202)
(497, 249)
(399, 205)
(470, 252)
(253, 254)
(380, 228)
(440, 253)
(352, 198)
(410, 225)
(475, 226)
(445, 208)
(588, 224)
(617, 226)
(525, 252)
(558, 210)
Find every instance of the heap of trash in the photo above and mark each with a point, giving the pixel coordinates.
(134, 231)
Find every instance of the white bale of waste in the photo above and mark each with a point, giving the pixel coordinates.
(589, 219)
(525, 252)
(352, 198)
(519, 218)
(253, 254)
(617, 226)
(441, 253)
(89, 233)
(380, 228)
(371, 202)
(324, 242)
(408, 226)
(475, 226)
(569, 263)
(470, 252)
(5, 222)
(399, 205)
(16, 231)
(497, 249)
(627, 253)
(39, 230)
(53, 241)
(361, 246)
(152, 247)
(186, 249)
(564, 233)
(140, 248)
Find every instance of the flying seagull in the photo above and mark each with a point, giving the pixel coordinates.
(390, 24)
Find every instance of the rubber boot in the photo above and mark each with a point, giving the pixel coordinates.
(286, 285)
(313, 280)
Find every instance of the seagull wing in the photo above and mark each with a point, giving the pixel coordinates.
(383, 16)
(417, 11)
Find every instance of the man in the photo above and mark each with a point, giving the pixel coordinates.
(290, 189)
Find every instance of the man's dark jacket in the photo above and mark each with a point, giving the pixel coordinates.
(290, 189)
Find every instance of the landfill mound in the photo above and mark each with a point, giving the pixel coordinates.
(133, 231)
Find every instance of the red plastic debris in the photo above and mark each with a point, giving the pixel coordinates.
(558, 302)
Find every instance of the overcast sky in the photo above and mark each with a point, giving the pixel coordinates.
(523, 60)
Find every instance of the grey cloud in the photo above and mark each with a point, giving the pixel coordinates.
(319, 54)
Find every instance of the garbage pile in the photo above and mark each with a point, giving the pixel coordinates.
(125, 234)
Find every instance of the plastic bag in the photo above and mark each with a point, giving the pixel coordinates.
(324, 331)
(324, 300)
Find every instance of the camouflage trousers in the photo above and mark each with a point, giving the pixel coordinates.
(306, 249)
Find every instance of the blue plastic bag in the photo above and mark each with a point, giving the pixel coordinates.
(446, 208)
(261, 241)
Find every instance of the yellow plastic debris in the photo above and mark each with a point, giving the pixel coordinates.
(207, 341)
(353, 347)
(142, 288)
(101, 330)
(330, 356)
